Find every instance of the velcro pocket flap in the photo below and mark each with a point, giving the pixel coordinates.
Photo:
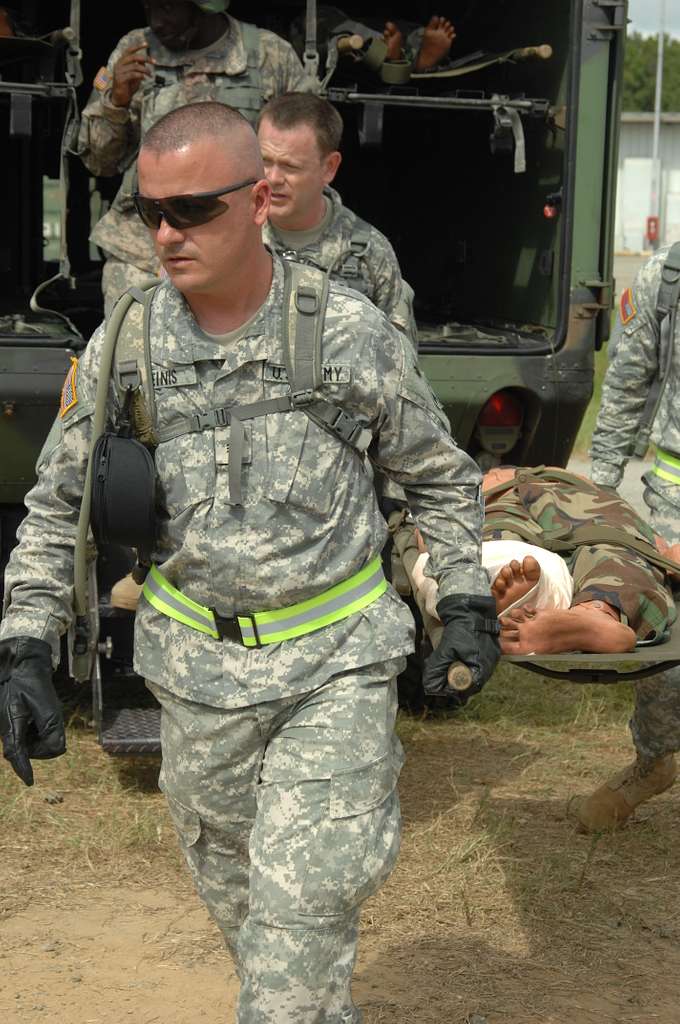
(186, 821)
(358, 790)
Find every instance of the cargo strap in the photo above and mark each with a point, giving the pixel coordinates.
(257, 629)
(666, 315)
(667, 466)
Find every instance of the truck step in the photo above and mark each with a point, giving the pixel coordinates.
(131, 730)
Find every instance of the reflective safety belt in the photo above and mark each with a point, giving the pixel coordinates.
(666, 466)
(259, 628)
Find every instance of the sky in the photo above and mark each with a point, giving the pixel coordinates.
(645, 14)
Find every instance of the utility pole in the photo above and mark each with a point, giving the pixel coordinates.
(655, 204)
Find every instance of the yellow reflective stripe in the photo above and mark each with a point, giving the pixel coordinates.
(665, 475)
(172, 613)
(673, 460)
(176, 600)
(161, 594)
(263, 618)
(313, 624)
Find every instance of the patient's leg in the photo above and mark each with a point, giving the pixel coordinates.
(514, 581)
(625, 580)
(592, 627)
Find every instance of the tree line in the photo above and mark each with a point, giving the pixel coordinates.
(639, 73)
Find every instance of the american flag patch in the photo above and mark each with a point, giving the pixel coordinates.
(69, 395)
(628, 308)
(102, 80)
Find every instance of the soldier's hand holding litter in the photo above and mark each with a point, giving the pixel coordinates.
(129, 71)
(471, 636)
(31, 720)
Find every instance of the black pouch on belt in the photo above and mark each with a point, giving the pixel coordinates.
(123, 494)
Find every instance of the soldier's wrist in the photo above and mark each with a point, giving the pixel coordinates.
(111, 111)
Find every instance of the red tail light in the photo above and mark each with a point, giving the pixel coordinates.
(501, 410)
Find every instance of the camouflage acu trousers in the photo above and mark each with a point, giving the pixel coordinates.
(655, 724)
(288, 815)
(117, 277)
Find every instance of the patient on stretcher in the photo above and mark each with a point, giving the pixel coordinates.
(607, 589)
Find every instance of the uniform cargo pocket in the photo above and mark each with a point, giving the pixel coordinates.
(186, 471)
(356, 845)
(186, 821)
(304, 463)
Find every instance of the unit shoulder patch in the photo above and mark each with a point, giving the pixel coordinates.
(69, 393)
(102, 80)
(628, 309)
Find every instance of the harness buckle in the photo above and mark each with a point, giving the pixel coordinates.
(307, 301)
(202, 421)
(299, 398)
(344, 426)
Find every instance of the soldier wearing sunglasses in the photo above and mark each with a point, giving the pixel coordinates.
(192, 50)
(266, 628)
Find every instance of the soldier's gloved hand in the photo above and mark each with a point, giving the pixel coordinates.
(471, 632)
(31, 721)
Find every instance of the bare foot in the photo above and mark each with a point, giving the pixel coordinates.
(591, 629)
(514, 581)
(437, 39)
(394, 40)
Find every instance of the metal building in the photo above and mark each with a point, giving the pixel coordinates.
(634, 198)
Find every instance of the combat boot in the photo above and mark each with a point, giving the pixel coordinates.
(610, 805)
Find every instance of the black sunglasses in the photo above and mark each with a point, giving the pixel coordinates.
(185, 211)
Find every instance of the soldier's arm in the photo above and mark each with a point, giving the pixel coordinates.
(39, 576)
(280, 67)
(414, 448)
(633, 363)
(109, 135)
(390, 292)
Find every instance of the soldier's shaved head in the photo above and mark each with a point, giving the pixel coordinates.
(215, 121)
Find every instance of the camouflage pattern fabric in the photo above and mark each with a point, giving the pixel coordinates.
(655, 724)
(288, 816)
(309, 518)
(615, 575)
(117, 277)
(601, 572)
(375, 273)
(633, 352)
(280, 763)
(229, 72)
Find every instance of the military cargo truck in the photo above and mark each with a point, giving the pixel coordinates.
(493, 177)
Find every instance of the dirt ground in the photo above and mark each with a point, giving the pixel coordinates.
(499, 912)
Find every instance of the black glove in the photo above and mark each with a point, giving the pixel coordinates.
(470, 636)
(31, 722)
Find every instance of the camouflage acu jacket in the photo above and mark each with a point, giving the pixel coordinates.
(634, 361)
(243, 69)
(361, 257)
(309, 517)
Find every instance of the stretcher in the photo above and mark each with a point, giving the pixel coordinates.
(646, 660)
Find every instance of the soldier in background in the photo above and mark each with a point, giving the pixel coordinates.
(300, 138)
(191, 51)
(635, 362)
